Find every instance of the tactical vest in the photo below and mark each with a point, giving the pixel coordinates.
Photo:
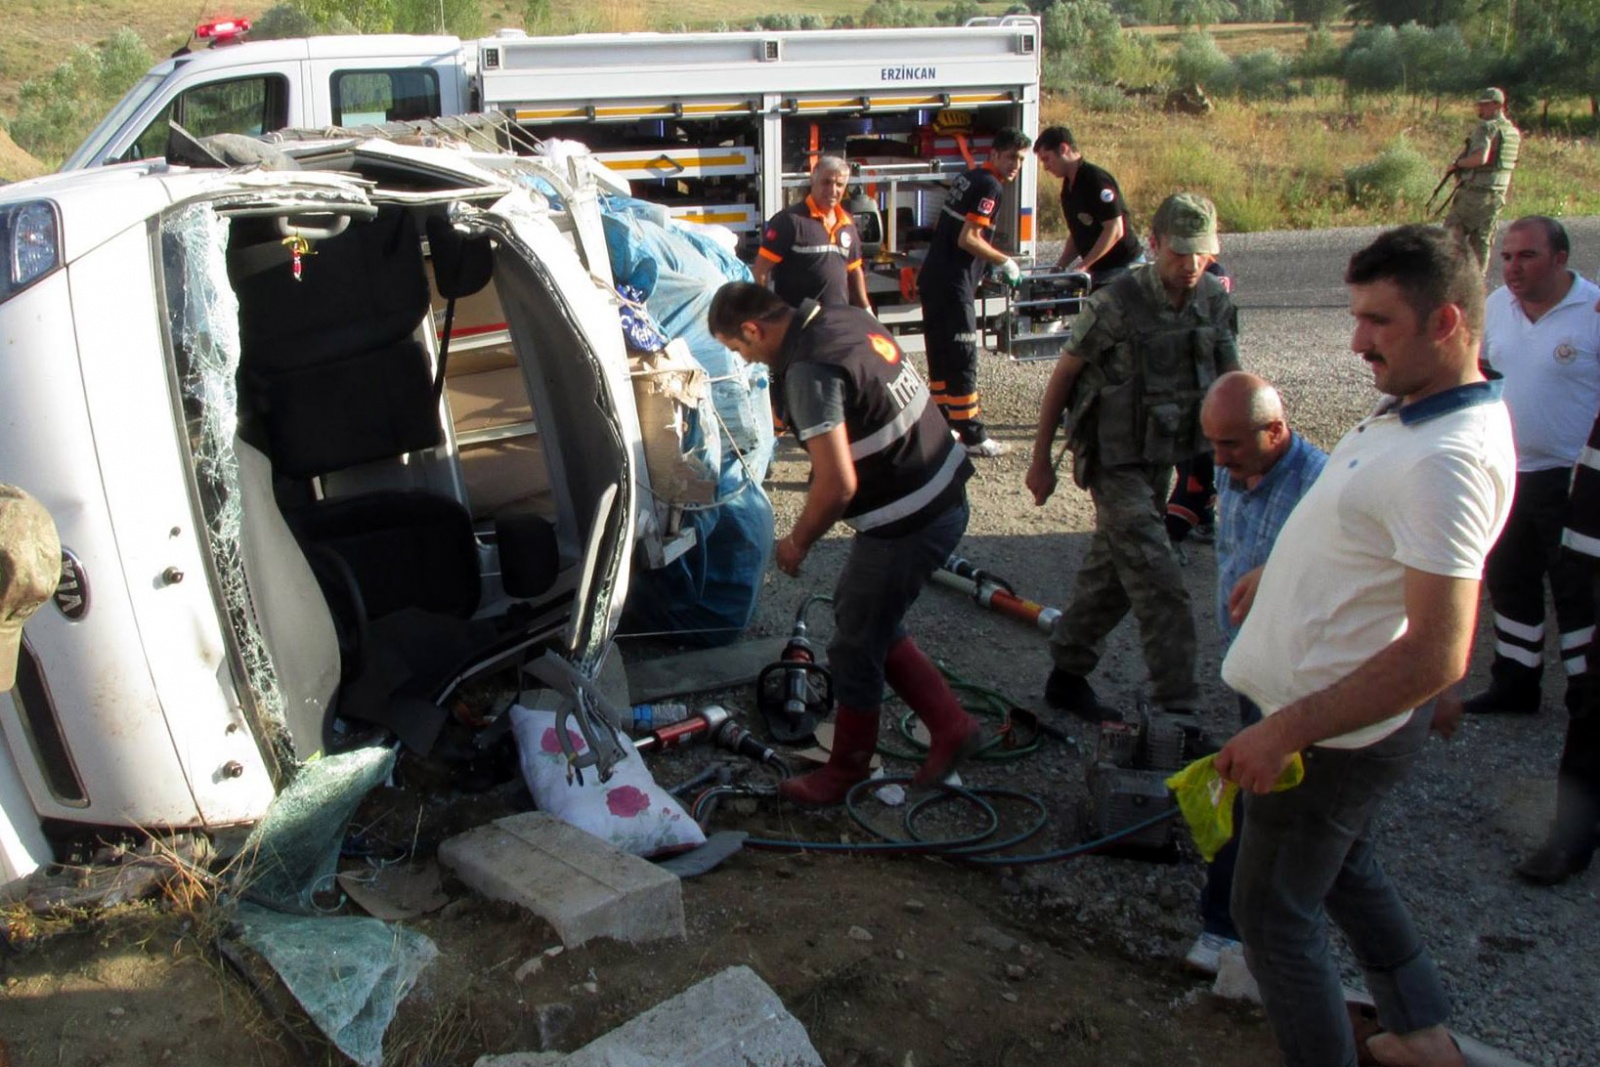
(1153, 416)
(908, 469)
(1505, 143)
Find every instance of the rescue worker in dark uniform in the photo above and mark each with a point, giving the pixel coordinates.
(1143, 353)
(30, 567)
(1570, 844)
(812, 250)
(883, 461)
(948, 284)
(1100, 234)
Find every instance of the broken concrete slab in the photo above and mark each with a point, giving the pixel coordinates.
(732, 1019)
(576, 882)
(702, 670)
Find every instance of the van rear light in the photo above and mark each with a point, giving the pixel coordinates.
(30, 234)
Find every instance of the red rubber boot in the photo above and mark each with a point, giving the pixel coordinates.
(855, 737)
(954, 735)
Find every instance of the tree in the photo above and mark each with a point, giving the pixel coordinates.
(1202, 13)
(890, 13)
(1400, 12)
(281, 21)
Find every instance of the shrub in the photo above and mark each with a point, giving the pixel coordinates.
(1102, 98)
(1373, 60)
(286, 20)
(1263, 73)
(890, 13)
(56, 112)
(460, 17)
(1400, 174)
(1200, 61)
(1320, 56)
(958, 13)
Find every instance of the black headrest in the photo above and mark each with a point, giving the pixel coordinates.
(462, 265)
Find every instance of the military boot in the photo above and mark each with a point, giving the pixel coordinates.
(1073, 694)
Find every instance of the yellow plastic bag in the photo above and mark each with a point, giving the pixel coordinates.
(1206, 800)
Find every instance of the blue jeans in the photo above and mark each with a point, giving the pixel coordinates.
(1216, 916)
(881, 579)
(1305, 856)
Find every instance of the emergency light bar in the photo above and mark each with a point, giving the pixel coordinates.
(222, 31)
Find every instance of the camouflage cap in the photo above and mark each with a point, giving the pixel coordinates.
(1187, 222)
(1492, 95)
(30, 567)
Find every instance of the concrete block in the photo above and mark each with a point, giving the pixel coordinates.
(574, 881)
(732, 1019)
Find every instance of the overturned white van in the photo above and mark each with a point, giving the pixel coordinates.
(284, 515)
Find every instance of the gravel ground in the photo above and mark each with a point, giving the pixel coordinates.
(1522, 963)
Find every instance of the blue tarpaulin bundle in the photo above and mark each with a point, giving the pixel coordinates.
(708, 595)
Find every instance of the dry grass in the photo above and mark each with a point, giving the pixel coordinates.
(1241, 38)
(1281, 165)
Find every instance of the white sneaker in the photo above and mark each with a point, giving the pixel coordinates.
(1205, 952)
(988, 448)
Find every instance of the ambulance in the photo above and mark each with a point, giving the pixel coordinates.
(717, 127)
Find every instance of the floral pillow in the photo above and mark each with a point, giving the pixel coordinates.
(630, 811)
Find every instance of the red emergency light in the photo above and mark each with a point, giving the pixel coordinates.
(223, 31)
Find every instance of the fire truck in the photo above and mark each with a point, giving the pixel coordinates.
(717, 127)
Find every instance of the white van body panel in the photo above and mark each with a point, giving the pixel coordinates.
(147, 708)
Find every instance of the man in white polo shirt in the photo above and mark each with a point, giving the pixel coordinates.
(1362, 615)
(1542, 334)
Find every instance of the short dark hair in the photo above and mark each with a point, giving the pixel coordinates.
(1430, 265)
(1008, 137)
(740, 302)
(1554, 232)
(1052, 138)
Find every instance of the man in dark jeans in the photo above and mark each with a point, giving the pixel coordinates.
(1364, 614)
(883, 461)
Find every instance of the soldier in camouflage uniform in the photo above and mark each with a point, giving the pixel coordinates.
(1484, 168)
(1143, 352)
(30, 565)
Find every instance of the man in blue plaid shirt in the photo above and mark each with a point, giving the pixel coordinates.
(1264, 468)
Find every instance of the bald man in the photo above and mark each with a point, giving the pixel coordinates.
(1264, 468)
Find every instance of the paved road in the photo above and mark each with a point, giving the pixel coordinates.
(1303, 269)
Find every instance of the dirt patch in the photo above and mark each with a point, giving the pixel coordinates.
(16, 164)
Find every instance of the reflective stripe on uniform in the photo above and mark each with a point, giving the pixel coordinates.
(890, 431)
(909, 505)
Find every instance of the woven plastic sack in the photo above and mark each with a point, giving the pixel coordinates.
(1206, 800)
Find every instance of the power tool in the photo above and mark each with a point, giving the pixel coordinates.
(1127, 782)
(720, 727)
(795, 693)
